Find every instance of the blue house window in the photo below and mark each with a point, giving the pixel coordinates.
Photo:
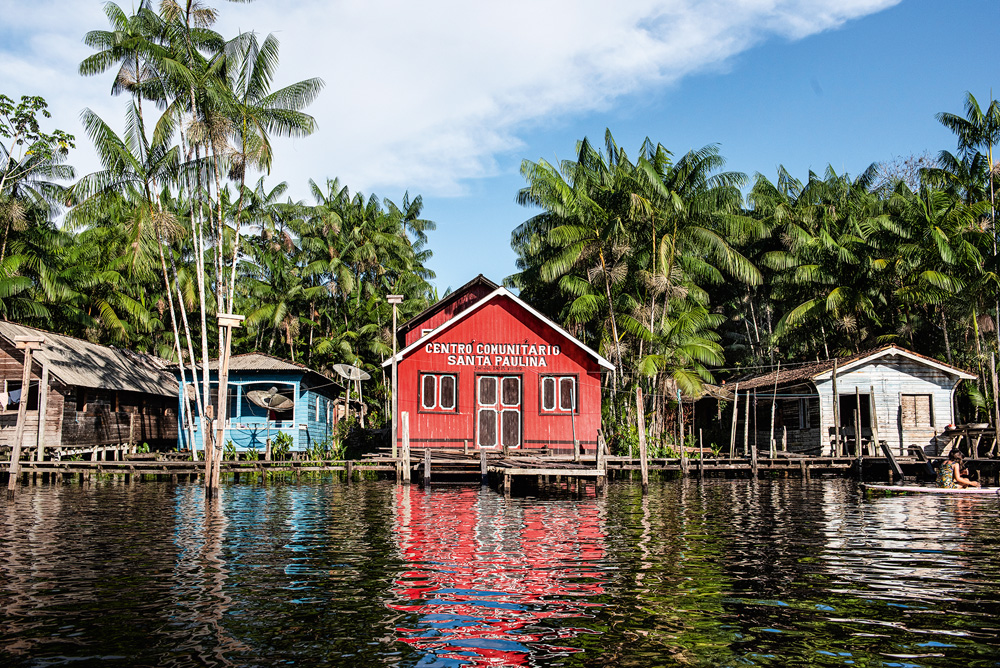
(250, 409)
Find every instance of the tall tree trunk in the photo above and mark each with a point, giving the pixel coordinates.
(947, 342)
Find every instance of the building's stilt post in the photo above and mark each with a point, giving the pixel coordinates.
(404, 428)
(27, 344)
(641, 419)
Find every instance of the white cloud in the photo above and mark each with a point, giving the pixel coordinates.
(424, 95)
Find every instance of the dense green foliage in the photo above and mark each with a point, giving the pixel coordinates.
(677, 271)
(667, 268)
(172, 229)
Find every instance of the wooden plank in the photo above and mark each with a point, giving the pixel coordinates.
(641, 424)
(585, 473)
(405, 432)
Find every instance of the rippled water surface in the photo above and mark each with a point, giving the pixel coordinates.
(324, 573)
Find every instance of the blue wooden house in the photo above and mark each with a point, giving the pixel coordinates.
(306, 403)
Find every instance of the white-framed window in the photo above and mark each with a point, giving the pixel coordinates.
(439, 392)
(559, 395)
(804, 414)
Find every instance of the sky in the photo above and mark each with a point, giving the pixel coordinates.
(446, 98)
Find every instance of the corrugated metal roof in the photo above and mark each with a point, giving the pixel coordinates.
(77, 362)
(809, 372)
(259, 362)
(262, 363)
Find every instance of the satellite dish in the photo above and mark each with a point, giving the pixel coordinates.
(270, 400)
(351, 372)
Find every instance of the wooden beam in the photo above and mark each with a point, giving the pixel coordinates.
(736, 408)
(641, 424)
(43, 409)
(27, 344)
(404, 429)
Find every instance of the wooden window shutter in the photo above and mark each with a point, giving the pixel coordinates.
(916, 410)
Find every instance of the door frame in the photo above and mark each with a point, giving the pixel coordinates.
(499, 408)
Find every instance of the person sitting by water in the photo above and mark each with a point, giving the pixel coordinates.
(952, 475)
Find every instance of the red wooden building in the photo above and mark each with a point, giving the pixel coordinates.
(483, 367)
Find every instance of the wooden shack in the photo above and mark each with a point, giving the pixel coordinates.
(308, 416)
(899, 396)
(482, 368)
(92, 396)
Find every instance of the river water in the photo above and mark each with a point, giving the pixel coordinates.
(324, 573)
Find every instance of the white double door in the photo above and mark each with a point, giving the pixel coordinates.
(498, 411)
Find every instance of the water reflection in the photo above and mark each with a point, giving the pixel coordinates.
(319, 573)
(486, 583)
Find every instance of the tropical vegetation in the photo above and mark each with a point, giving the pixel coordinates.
(677, 271)
(683, 274)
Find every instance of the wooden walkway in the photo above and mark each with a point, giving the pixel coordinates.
(444, 466)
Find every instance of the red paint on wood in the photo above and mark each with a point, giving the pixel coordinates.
(504, 340)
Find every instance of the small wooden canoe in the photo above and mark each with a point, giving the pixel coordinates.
(915, 489)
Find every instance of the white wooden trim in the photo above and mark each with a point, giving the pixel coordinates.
(892, 352)
(499, 292)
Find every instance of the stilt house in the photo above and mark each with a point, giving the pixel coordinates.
(305, 407)
(91, 395)
(895, 395)
(481, 367)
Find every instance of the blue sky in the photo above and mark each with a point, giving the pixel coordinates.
(445, 98)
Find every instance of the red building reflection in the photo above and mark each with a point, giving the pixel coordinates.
(494, 583)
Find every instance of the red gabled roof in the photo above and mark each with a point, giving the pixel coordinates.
(485, 286)
(497, 293)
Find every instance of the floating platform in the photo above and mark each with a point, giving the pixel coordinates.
(928, 489)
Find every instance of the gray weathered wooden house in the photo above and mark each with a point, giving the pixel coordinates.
(92, 396)
(903, 397)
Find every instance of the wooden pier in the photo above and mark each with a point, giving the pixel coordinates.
(452, 466)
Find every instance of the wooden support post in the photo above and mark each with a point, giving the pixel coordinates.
(701, 456)
(857, 419)
(465, 447)
(753, 453)
(404, 429)
(506, 484)
(427, 467)
(43, 407)
(27, 344)
(858, 449)
(736, 408)
(836, 412)
(682, 444)
(784, 438)
(996, 407)
(746, 425)
(774, 405)
(874, 418)
(641, 421)
(483, 477)
(601, 467)
(349, 465)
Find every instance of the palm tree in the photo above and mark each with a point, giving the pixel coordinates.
(828, 268)
(131, 45)
(979, 129)
(586, 203)
(32, 163)
(256, 113)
